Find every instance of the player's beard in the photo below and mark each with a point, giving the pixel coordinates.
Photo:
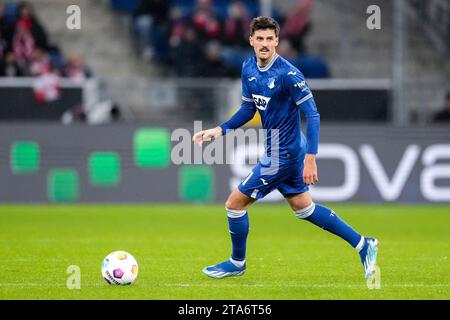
(264, 60)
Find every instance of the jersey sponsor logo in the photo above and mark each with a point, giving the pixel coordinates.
(251, 79)
(271, 83)
(264, 182)
(292, 73)
(261, 102)
(300, 84)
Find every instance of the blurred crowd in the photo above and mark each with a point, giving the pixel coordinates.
(209, 38)
(25, 50)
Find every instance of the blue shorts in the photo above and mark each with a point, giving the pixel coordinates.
(264, 178)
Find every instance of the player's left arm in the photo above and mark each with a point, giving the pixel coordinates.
(303, 97)
(309, 109)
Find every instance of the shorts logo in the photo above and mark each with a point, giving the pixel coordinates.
(254, 193)
(261, 102)
(264, 182)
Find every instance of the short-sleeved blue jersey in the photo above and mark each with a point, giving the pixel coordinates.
(279, 92)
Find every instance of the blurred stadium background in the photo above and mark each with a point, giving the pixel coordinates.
(87, 116)
(92, 110)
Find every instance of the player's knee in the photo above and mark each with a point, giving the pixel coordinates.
(300, 201)
(300, 206)
(229, 204)
(238, 201)
(233, 205)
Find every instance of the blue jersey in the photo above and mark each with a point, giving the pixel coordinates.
(279, 93)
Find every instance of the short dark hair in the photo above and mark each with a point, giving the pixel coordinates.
(261, 23)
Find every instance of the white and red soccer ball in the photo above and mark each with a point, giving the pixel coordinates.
(119, 268)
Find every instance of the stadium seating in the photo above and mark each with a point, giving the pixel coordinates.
(37, 32)
(232, 57)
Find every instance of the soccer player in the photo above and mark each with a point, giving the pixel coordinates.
(278, 90)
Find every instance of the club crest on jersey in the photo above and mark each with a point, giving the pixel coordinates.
(261, 102)
(271, 83)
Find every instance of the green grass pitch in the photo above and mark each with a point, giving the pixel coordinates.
(287, 258)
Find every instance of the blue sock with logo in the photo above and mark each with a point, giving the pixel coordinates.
(328, 220)
(238, 225)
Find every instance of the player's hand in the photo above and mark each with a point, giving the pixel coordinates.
(207, 135)
(310, 169)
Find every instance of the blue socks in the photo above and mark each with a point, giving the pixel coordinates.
(238, 225)
(328, 220)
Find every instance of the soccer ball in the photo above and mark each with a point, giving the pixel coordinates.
(119, 268)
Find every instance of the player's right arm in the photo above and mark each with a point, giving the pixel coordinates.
(241, 117)
(207, 135)
(245, 113)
